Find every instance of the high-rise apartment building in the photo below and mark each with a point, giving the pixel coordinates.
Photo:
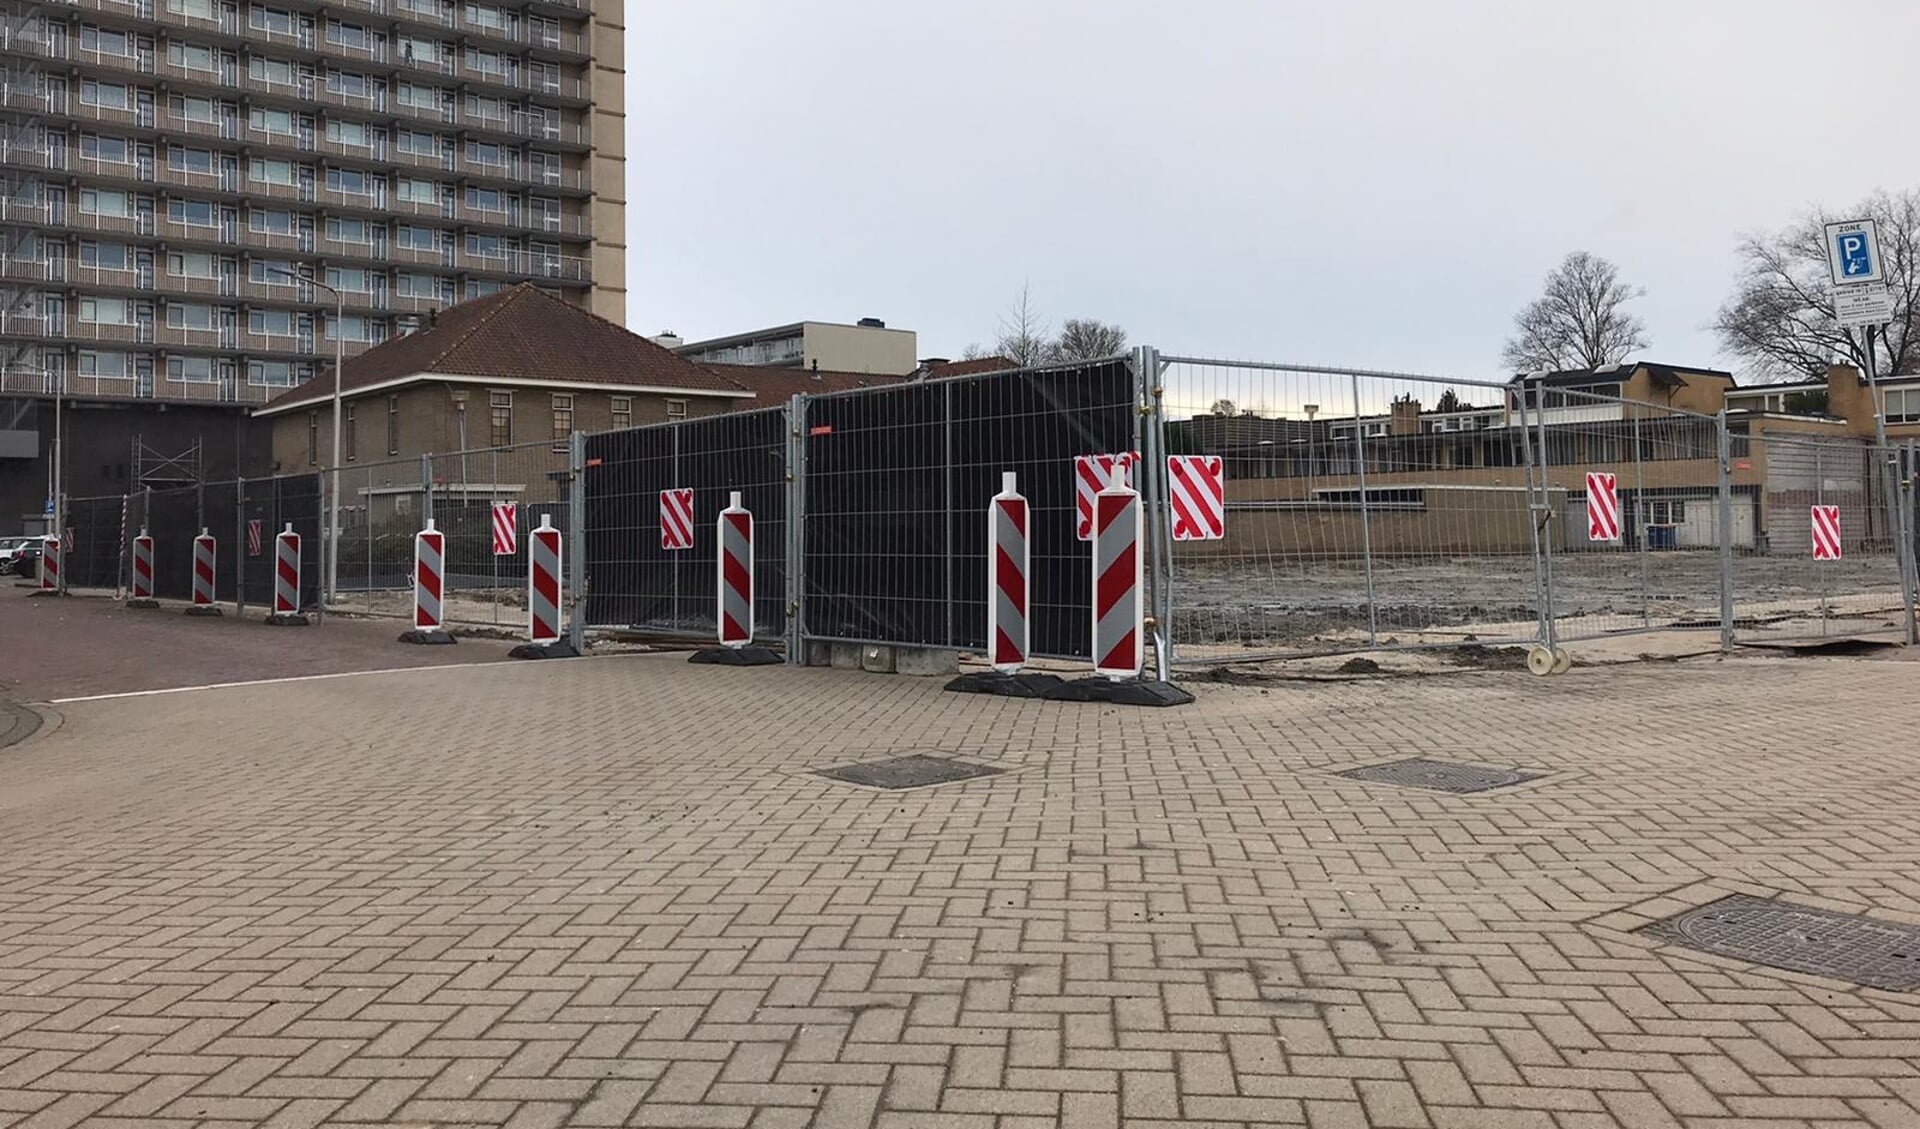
(188, 187)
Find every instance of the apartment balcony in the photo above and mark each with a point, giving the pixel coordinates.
(298, 89)
(304, 141)
(226, 129)
(415, 303)
(416, 256)
(368, 153)
(111, 333)
(142, 63)
(192, 284)
(339, 249)
(280, 293)
(107, 278)
(375, 201)
(290, 242)
(32, 155)
(136, 117)
(371, 102)
(276, 344)
(139, 172)
(196, 233)
(539, 267)
(199, 338)
(216, 181)
(77, 220)
(167, 69)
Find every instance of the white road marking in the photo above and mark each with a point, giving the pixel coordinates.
(267, 682)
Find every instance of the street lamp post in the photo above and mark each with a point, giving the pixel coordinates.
(339, 378)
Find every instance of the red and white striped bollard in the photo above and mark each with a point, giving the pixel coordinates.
(543, 582)
(1008, 567)
(1117, 584)
(286, 580)
(735, 574)
(142, 593)
(429, 585)
(205, 562)
(51, 562)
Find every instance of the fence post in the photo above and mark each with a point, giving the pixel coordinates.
(240, 546)
(576, 549)
(1726, 532)
(1366, 524)
(796, 528)
(1907, 556)
(1152, 480)
(426, 489)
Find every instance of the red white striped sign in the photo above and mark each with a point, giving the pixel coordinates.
(1094, 473)
(1008, 564)
(506, 529)
(1826, 533)
(1603, 506)
(1197, 486)
(676, 520)
(253, 537)
(1117, 574)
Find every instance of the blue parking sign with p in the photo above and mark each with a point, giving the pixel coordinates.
(1856, 254)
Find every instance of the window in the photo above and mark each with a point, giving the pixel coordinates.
(414, 191)
(189, 315)
(204, 110)
(350, 278)
(313, 438)
(417, 238)
(500, 409)
(1903, 405)
(486, 246)
(478, 288)
(393, 425)
(190, 160)
(191, 264)
(278, 323)
(348, 83)
(419, 97)
(417, 143)
(350, 434)
(562, 419)
(347, 133)
(486, 153)
(273, 72)
(358, 327)
(486, 199)
(195, 9)
(192, 56)
(271, 221)
(487, 16)
(345, 230)
(676, 409)
(416, 50)
(272, 170)
(623, 411)
(346, 35)
(111, 95)
(270, 374)
(106, 41)
(103, 202)
(106, 256)
(1666, 511)
(116, 366)
(486, 62)
(116, 149)
(106, 311)
(412, 284)
(271, 19)
(272, 121)
(353, 182)
(480, 106)
(190, 370)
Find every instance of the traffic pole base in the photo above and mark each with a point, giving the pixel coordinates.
(735, 656)
(558, 649)
(144, 604)
(427, 637)
(1005, 685)
(288, 619)
(1128, 693)
(207, 610)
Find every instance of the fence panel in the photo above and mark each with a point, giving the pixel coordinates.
(382, 505)
(897, 481)
(1363, 510)
(482, 586)
(265, 507)
(1781, 591)
(94, 556)
(632, 579)
(1662, 572)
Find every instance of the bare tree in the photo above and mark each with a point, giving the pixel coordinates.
(1087, 339)
(1780, 318)
(1023, 333)
(1224, 407)
(1450, 401)
(1578, 321)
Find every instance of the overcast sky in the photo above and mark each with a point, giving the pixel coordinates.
(1375, 184)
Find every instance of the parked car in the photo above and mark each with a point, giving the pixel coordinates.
(20, 556)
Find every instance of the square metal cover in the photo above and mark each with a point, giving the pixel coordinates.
(916, 770)
(1440, 776)
(1841, 946)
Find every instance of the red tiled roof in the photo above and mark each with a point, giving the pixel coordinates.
(520, 334)
(772, 386)
(973, 367)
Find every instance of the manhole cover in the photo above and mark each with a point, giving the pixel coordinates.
(915, 771)
(1440, 776)
(1841, 946)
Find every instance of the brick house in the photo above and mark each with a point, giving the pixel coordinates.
(516, 367)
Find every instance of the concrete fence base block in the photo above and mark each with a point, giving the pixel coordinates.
(287, 619)
(1005, 685)
(819, 653)
(926, 662)
(1130, 693)
(203, 610)
(144, 605)
(427, 637)
(39, 591)
(559, 649)
(876, 658)
(846, 656)
(735, 656)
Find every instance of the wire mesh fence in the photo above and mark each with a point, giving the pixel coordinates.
(487, 502)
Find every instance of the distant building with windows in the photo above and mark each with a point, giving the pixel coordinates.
(867, 347)
(182, 181)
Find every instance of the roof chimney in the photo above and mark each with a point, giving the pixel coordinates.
(667, 339)
(816, 368)
(871, 323)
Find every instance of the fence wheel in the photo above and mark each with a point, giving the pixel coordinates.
(1540, 661)
(1562, 660)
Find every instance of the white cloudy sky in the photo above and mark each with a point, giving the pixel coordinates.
(1377, 183)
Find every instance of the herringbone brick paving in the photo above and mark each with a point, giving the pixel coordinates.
(610, 893)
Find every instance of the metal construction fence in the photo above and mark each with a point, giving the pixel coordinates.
(1362, 510)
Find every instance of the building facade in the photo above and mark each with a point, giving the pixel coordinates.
(866, 347)
(186, 179)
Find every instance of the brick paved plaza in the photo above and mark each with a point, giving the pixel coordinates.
(611, 892)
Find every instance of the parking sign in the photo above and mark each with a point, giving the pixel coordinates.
(1853, 252)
